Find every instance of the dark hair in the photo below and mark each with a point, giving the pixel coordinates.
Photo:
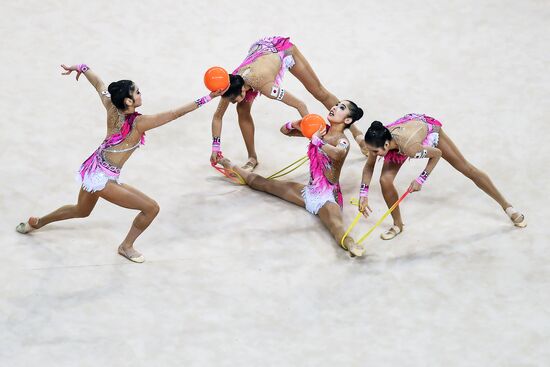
(236, 83)
(355, 112)
(120, 90)
(377, 134)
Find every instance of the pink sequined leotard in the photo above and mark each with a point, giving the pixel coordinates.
(268, 45)
(426, 133)
(320, 190)
(98, 169)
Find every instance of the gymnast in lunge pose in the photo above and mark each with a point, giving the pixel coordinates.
(327, 151)
(99, 174)
(418, 136)
(262, 72)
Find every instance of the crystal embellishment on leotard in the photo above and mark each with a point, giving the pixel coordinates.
(432, 137)
(267, 45)
(96, 171)
(320, 190)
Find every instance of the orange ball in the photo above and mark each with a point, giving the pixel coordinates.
(216, 78)
(311, 124)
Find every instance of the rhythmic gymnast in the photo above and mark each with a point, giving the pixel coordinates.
(99, 174)
(327, 152)
(262, 72)
(418, 136)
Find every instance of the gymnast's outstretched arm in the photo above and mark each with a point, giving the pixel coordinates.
(148, 122)
(94, 80)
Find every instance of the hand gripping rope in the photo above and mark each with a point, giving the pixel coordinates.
(355, 202)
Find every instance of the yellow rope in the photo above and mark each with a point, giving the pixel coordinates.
(357, 217)
(355, 202)
(280, 173)
(235, 177)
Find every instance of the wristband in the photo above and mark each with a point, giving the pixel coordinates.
(288, 126)
(364, 191)
(316, 141)
(216, 144)
(422, 178)
(82, 68)
(203, 100)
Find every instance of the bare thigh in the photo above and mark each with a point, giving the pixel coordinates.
(288, 191)
(455, 158)
(86, 202)
(450, 151)
(389, 172)
(126, 196)
(303, 71)
(244, 108)
(331, 216)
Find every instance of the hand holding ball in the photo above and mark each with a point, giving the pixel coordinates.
(311, 123)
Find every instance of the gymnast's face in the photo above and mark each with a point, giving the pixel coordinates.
(339, 113)
(379, 151)
(240, 97)
(136, 95)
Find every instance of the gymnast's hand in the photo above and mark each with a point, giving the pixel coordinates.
(215, 157)
(415, 186)
(321, 132)
(218, 92)
(70, 69)
(364, 206)
(288, 127)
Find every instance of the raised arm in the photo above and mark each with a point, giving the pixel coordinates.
(148, 122)
(217, 130)
(420, 151)
(368, 170)
(93, 78)
(273, 91)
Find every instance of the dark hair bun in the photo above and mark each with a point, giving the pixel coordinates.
(359, 113)
(377, 134)
(355, 112)
(113, 88)
(120, 90)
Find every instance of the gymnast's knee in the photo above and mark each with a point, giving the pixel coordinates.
(82, 212)
(256, 182)
(386, 181)
(471, 171)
